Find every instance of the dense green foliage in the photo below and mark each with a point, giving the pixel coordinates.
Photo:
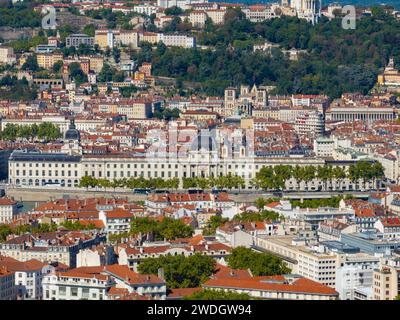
(167, 114)
(336, 60)
(77, 74)
(167, 228)
(45, 130)
(109, 73)
(260, 264)
(256, 216)
(13, 89)
(69, 225)
(180, 271)
(173, 11)
(24, 45)
(127, 92)
(131, 183)
(31, 64)
(212, 225)
(229, 182)
(113, 19)
(274, 178)
(19, 15)
(208, 294)
(6, 229)
(332, 202)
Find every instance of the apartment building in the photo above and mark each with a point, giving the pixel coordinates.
(94, 283)
(258, 13)
(104, 39)
(217, 16)
(76, 285)
(283, 287)
(310, 123)
(128, 38)
(75, 40)
(302, 259)
(354, 277)
(176, 40)
(60, 246)
(198, 18)
(150, 37)
(47, 60)
(136, 109)
(385, 283)
(131, 256)
(8, 210)
(7, 55)
(8, 290)
(28, 277)
(116, 221)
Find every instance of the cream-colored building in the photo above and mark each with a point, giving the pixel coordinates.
(216, 15)
(198, 18)
(47, 60)
(128, 38)
(320, 267)
(150, 37)
(7, 55)
(385, 283)
(104, 39)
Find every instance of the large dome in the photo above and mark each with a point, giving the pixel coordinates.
(72, 133)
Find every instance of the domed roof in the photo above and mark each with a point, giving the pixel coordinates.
(72, 133)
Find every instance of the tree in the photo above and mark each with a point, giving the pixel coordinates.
(168, 228)
(212, 225)
(5, 230)
(57, 66)
(31, 63)
(172, 228)
(208, 294)
(90, 30)
(77, 74)
(260, 264)
(180, 271)
(116, 54)
(173, 11)
(106, 73)
(88, 181)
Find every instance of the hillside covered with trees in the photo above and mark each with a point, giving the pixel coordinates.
(336, 60)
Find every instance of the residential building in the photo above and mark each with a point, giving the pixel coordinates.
(385, 283)
(60, 246)
(77, 39)
(8, 290)
(8, 210)
(176, 40)
(284, 287)
(7, 55)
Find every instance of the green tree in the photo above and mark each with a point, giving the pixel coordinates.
(77, 74)
(5, 230)
(212, 225)
(57, 66)
(90, 30)
(31, 63)
(260, 264)
(180, 271)
(208, 294)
